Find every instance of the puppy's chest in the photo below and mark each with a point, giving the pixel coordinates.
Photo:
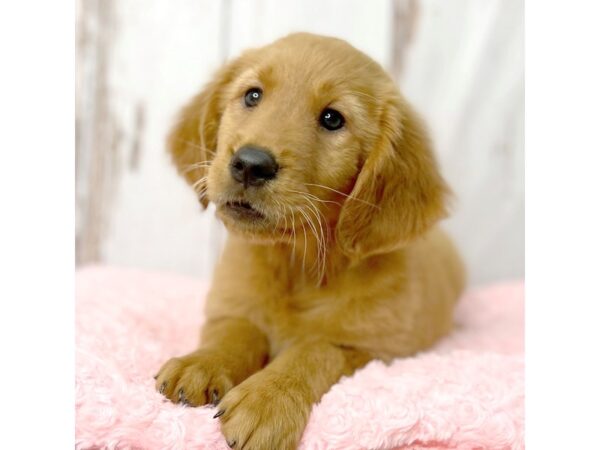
(286, 314)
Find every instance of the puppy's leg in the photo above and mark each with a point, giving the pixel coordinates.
(231, 350)
(270, 409)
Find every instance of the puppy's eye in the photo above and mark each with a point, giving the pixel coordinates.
(331, 119)
(252, 97)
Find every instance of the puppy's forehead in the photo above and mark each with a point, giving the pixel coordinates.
(313, 57)
(327, 67)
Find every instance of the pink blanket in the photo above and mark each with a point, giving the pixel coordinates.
(467, 393)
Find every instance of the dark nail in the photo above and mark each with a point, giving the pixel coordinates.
(162, 388)
(181, 396)
(155, 376)
(215, 397)
(219, 414)
(231, 444)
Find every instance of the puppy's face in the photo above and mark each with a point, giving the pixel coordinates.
(292, 130)
(306, 135)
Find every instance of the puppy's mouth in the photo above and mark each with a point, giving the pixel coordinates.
(243, 210)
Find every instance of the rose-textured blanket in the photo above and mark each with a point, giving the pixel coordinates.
(466, 393)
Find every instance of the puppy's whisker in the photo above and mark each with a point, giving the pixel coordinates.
(288, 234)
(196, 166)
(200, 189)
(197, 184)
(305, 247)
(208, 161)
(203, 192)
(320, 235)
(317, 264)
(324, 240)
(312, 196)
(294, 234)
(313, 228)
(348, 197)
(284, 214)
(197, 146)
(279, 215)
(320, 232)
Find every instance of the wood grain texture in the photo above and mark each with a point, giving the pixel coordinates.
(464, 73)
(97, 133)
(405, 14)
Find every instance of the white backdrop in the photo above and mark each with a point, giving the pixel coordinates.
(459, 61)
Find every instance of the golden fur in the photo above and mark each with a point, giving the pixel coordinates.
(346, 264)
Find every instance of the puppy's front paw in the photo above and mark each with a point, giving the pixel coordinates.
(195, 379)
(265, 412)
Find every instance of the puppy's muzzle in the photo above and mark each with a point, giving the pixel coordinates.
(253, 166)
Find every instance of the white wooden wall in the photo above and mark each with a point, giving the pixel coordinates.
(459, 61)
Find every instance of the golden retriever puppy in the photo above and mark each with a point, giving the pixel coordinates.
(324, 177)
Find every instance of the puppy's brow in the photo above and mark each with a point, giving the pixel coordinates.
(250, 76)
(266, 75)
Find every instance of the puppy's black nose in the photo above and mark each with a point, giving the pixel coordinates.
(253, 166)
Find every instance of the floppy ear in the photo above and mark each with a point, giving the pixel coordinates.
(399, 192)
(192, 142)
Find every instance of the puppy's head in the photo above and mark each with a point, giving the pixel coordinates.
(308, 135)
